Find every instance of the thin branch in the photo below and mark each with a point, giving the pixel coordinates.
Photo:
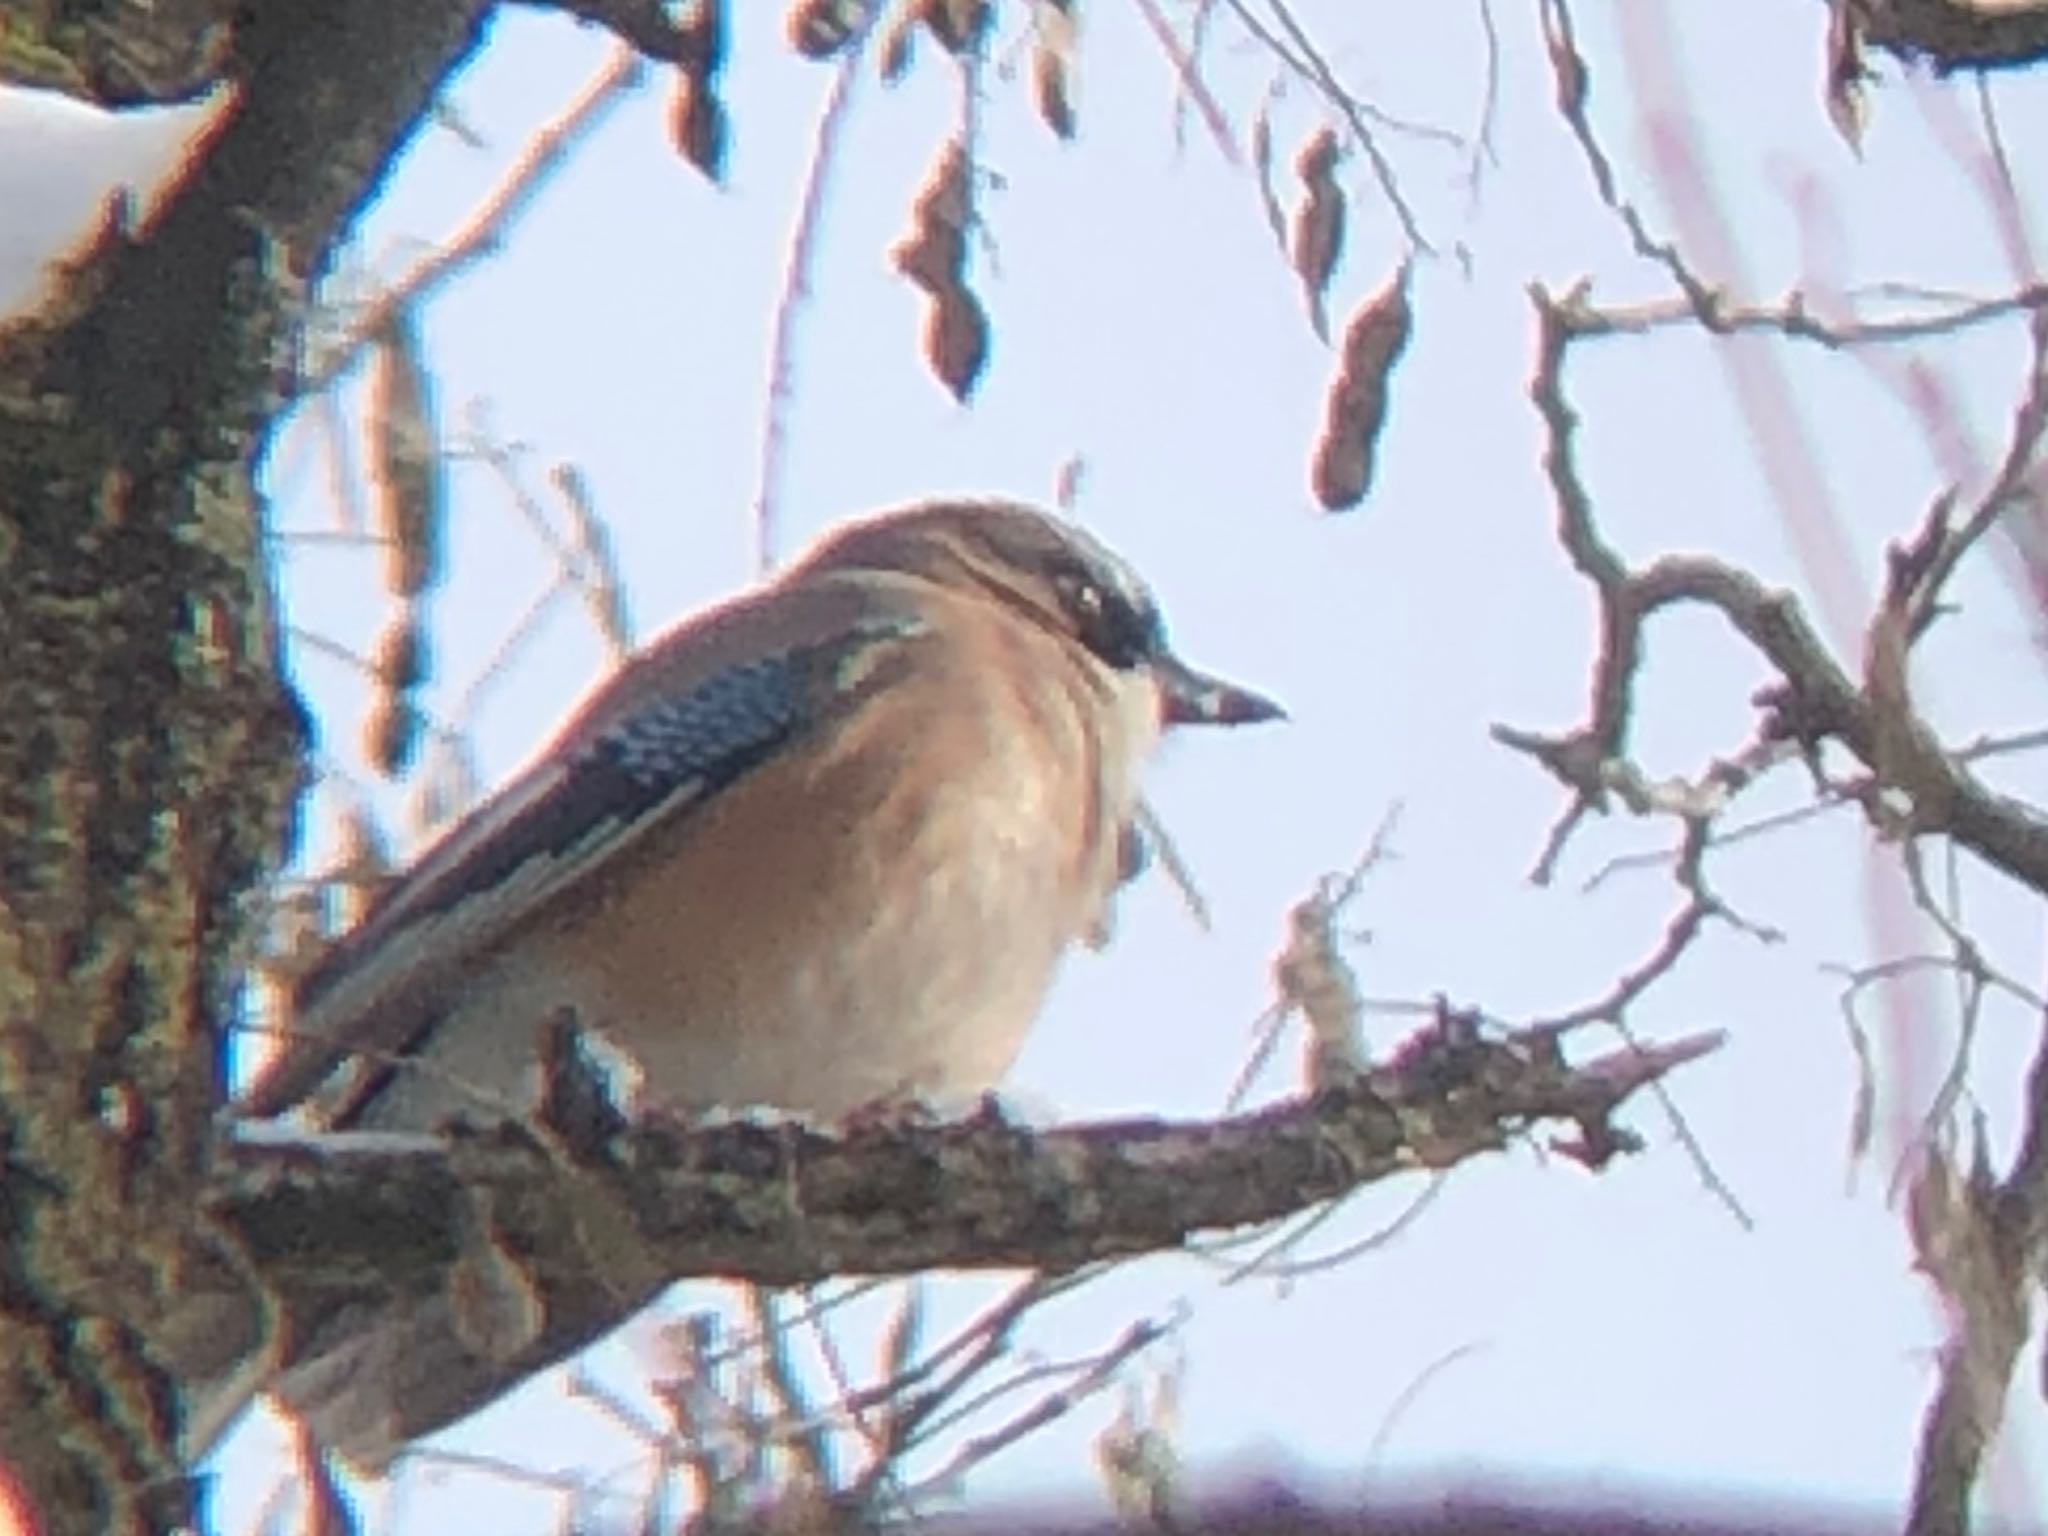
(1573, 79)
(1100, 1373)
(491, 222)
(802, 1429)
(1815, 698)
(1791, 318)
(2011, 489)
(1763, 826)
(1267, 1263)
(1188, 73)
(1304, 57)
(1483, 150)
(796, 292)
(1305, 68)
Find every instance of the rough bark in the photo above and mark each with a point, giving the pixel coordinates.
(149, 751)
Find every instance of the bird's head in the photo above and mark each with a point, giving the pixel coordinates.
(1054, 575)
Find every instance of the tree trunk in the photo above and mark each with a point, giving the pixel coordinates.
(150, 753)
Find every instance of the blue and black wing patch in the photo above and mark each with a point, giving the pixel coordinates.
(671, 753)
(716, 732)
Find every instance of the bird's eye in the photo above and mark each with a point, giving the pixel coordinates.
(1108, 623)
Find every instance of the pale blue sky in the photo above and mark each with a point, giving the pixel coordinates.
(1621, 1328)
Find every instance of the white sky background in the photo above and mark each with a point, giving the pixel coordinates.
(1617, 1329)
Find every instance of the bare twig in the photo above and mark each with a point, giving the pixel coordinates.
(1310, 975)
(1088, 1379)
(1945, 315)
(1573, 79)
(1268, 1264)
(800, 1427)
(1483, 151)
(484, 232)
(796, 291)
(1815, 700)
(1300, 53)
(1188, 72)
(1398, 1409)
(1327, 83)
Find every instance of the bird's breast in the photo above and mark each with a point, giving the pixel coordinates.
(878, 921)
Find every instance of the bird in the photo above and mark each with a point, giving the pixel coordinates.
(818, 848)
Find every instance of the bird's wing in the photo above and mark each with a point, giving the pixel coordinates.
(667, 733)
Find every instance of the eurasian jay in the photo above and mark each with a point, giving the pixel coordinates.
(818, 848)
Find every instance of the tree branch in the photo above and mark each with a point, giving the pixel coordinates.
(1815, 698)
(590, 1222)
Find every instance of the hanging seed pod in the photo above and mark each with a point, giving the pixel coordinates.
(1318, 223)
(934, 254)
(1262, 163)
(398, 659)
(899, 47)
(604, 594)
(703, 32)
(408, 500)
(959, 25)
(1846, 74)
(361, 867)
(1344, 457)
(934, 257)
(391, 733)
(698, 124)
(1055, 55)
(446, 785)
(819, 29)
(956, 338)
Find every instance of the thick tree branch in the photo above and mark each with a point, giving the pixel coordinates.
(349, 1231)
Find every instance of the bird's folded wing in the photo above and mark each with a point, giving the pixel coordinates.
(677, 725)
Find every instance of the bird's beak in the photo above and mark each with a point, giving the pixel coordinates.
(1188, 697)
